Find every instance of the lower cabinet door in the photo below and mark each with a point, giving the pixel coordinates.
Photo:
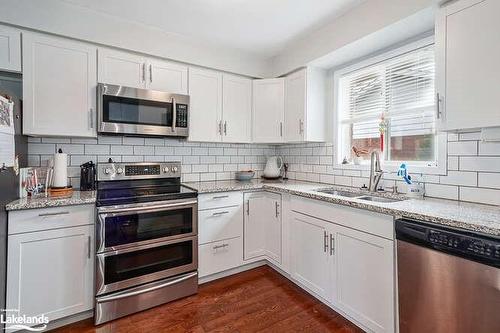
(219, 256)
(51, 272)
(364, 278)
(310, 258)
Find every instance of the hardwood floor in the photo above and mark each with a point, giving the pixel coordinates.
(258, 300)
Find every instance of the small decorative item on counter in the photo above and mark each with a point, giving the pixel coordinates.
(358, 155)
(414, 190)
(345, 161)
(244, 175)
(285, 170)
(382, 127)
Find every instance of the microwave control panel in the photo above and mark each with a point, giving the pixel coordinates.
(181, 115)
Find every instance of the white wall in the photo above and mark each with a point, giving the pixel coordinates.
(65, 19)
(361, 21)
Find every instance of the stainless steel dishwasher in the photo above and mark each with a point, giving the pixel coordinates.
(448, 279)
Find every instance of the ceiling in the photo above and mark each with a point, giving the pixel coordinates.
(262, 27)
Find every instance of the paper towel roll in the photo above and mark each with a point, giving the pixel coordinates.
(60, 170)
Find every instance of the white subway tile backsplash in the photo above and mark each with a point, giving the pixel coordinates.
(489, 179)
(164, 150)
(109, 140)
(471, 136)
(71, 148)
(462, 148)
(182, 150)
(41, 148)
(144, 150)
(441, 191)
(489, 148)
(459, 178)
(122, 150)
(97, 149)
(154, 142)
(480, 163)
(133, 141)
(481, 195)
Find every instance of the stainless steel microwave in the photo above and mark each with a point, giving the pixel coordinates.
(133, 111)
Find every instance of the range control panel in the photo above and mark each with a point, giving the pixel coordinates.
(142, 170)
(462, 243)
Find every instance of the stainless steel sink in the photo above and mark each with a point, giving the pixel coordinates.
(339, 193)
(378, 199)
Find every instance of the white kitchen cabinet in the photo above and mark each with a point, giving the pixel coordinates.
(363, 278)
(59, 87)
(51, 272)
(137, 71)
(205, 114)
(167, 76)
(268, 110)
(122, 68)
(262, 226)
(467, 66)
(236, 109)
(310, 258)
(304, 116)
(10, 49)
(220, 256)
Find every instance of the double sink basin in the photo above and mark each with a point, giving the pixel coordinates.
(359, 196)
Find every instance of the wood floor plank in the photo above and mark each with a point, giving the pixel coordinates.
(258, 300)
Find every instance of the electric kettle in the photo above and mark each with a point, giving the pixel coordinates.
(273, 167)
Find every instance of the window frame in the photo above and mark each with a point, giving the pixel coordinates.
(416, 167)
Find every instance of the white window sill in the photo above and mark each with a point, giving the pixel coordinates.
(394, 167)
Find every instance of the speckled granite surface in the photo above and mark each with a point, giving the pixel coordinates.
(40, 201)
(474, 217)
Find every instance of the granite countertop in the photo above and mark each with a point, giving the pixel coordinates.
(474, 217)
(41, 201)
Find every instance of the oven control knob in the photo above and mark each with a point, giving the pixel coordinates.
(119, 171)
(174, 169)
(107, 171)
(166, 169)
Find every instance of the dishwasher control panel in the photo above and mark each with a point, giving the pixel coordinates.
(467, 244)
(463, 243)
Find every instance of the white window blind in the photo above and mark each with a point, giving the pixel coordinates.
(401, 89)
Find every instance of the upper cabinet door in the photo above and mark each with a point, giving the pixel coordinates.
(167, 76)
(295, 106)
(59, 87)
(122, 68)
(10, 49)
(268, 109)
(237, 109)
(468, 66)
(205, 114)
(305, 113)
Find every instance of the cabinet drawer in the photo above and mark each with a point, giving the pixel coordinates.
(219, 256)
(221, 199)
(354, 218)
(50, 218)
(220, 223)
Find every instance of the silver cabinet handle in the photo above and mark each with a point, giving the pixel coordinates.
(150, 73)
(53, 214)
(220, 127)
(276, 206)
(174, 114)
(438, 106)
(281, 129)
(301, 126)
(220, 197)
(220, 213)
(325, 241)
(216, 247)
(225, 128)
(332, 245)
(89, 247)
(248, 207)
(145, 290)
(91, 118)
(143, 72)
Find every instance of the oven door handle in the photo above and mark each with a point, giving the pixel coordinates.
(142, 291)
(146, 209)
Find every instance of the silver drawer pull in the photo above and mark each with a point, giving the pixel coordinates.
(145, 290)
(53, 214)
(220, 213)
(220, 197)
(216, 247)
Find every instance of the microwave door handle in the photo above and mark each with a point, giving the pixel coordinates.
(174, 114)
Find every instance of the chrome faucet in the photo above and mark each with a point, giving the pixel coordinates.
(375, 171)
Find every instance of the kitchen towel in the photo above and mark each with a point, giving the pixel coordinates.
(60, 169)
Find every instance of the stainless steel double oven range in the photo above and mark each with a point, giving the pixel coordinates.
(146, 238)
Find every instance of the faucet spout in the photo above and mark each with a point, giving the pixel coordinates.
(375, 171)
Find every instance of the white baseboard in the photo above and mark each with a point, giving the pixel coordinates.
(231, 271)
(70, 319)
